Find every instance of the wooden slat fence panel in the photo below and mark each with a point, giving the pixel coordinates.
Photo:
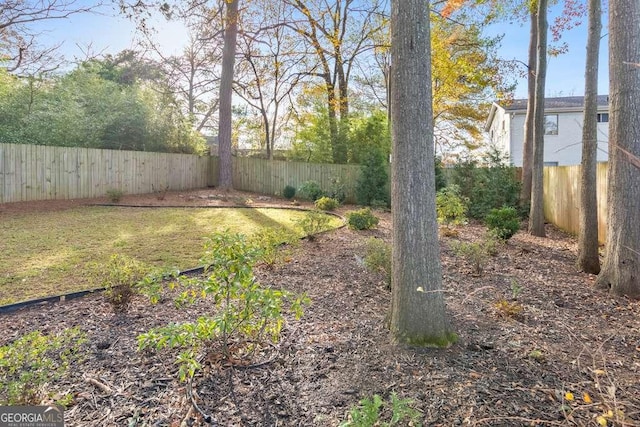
(271, 176)
(31, 172)
(562, 197)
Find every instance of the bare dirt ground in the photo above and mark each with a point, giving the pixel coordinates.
(530, 369)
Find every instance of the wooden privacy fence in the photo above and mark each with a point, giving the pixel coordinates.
(35, 172)
(271, 176)
(562, 197)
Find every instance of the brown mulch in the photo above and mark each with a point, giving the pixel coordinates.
(506, 370)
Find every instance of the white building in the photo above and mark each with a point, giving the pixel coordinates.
(563, 129)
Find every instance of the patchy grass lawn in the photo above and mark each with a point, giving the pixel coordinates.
(49, 253)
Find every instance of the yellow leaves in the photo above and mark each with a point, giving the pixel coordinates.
(568, 396)
(599, 372)
(586, 398)
(601, 421)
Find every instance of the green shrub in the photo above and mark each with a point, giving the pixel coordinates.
(114, 195)
(120, 277)
(289, 192)
(272, 242)
(336, 191)
(474, 253)
(361, 219)
(310, 190)
(326, 203)
(441, 180)
(31, 362)
(247, 314)
(372, 184)
(493, 185)
(503, 222)
(313, 223)
(450, 206)
(374, 412)
(377, 258)
(380, 204)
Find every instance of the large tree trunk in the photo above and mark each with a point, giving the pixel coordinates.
(536, 212)
(621, 271)
(417, 310)
(588, 259)
(527, 148)
(225, 177)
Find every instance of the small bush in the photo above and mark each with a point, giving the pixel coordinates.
(31, 362)
(289, 192)
(380, 204)
(271, 242)
(474, 253)
(372, 183)
(246, 316)
(310, 190)
(511, 309)
(326, 203)
(120, 277)
(451, 207)
(337, 190)
(361, 219)
(374, 412)
(313, 223)
(114, 195)
(441, 180)
(503, 222)
(378, 258)
(488, 184)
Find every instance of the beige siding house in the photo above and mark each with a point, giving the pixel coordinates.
(563, 129)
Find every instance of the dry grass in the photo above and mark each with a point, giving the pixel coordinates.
(48, 253)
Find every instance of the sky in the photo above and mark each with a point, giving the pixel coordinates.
(106, 32)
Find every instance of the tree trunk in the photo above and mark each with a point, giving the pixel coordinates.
(536, 212)
(621, 270)
(225, 177)
(588, 259)
(417, 311)
(343, 103)
(527, 148)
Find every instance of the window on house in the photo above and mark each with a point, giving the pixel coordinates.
(551, 124)
(603, 117)
(550, 163)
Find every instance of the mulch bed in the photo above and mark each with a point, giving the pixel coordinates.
(506, 370)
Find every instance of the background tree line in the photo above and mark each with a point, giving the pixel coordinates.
(312, 76)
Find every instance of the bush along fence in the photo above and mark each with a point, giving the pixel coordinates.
(31, 172)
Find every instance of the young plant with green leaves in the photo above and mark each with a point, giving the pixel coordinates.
(313, 223)
(362, 219)
(451, 207)
(120, 277)
(31, 363)
(326, 203)
(377, 412)
(274, 244)
(310, 190)
(377, 258)
(247, 315)
(503, 222)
